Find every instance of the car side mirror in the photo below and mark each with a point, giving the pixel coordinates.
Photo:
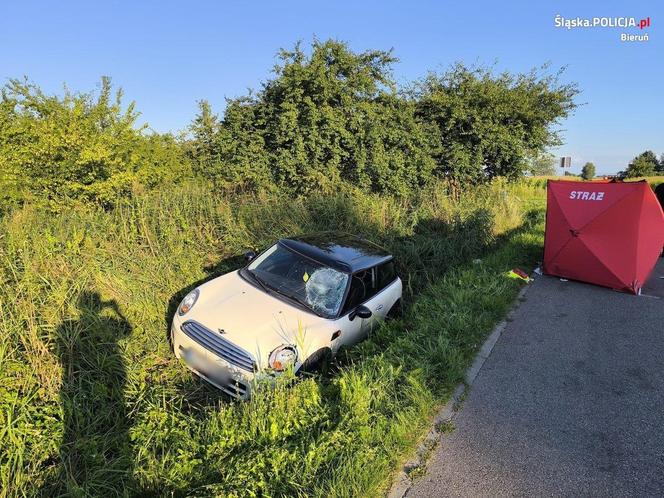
(361, 311)
(249, 255)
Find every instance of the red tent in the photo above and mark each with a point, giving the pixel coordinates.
(605, 233)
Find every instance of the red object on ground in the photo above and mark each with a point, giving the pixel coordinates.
(605, 233)
(521, 273)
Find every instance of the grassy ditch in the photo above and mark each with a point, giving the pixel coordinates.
(92, 402)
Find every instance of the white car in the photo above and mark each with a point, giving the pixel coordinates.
(293, 305)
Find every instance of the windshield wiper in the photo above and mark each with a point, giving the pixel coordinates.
(259, 281)
(302, 302)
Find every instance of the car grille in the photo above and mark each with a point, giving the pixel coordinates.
(234, 388)
(223, 348)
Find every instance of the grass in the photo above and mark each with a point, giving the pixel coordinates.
(652, 180)
(540, 181)
(93, 403)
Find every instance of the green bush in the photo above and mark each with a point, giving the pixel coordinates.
(328, 118)
(77, 147)
(491, 125)
(334, 116)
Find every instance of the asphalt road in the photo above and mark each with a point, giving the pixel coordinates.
(570, 402)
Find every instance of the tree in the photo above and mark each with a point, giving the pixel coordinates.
(326, 117)
(204, 129)
(645, 164)
(331, 116)
(588, 171)
(650, 157)
(488, 125)
(542, 164)
(660, 169)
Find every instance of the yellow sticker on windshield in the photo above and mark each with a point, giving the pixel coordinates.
(305, 277)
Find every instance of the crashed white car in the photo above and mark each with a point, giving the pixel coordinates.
(292, 306)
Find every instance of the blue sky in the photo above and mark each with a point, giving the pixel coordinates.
(168, 55)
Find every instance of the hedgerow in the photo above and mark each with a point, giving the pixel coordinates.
(326, 118)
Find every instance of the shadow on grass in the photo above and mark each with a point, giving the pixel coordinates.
(95, 451)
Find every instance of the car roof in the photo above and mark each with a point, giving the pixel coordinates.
(339, 250)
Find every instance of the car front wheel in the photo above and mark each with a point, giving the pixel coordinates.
(319, 360)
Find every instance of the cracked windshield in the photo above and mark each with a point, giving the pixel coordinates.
(312, 284)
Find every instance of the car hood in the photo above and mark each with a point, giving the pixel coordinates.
(253, 319)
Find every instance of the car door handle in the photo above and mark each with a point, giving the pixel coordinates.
(380, 307)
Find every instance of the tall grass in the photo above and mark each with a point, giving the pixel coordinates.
(92, 402)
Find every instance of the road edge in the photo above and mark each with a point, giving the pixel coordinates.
(402, 481)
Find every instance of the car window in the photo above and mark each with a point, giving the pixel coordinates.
(362, 288)
(386, 274)
(312, 284)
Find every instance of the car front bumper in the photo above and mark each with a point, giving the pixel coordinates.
(230, 379)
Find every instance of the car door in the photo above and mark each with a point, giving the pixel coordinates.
(361, 290)
(385, 293)
(376, 305)
(388, 287)
(377, 288)
(350, 332)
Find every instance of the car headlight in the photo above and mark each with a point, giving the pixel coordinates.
(282, 358)
(188, 302)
